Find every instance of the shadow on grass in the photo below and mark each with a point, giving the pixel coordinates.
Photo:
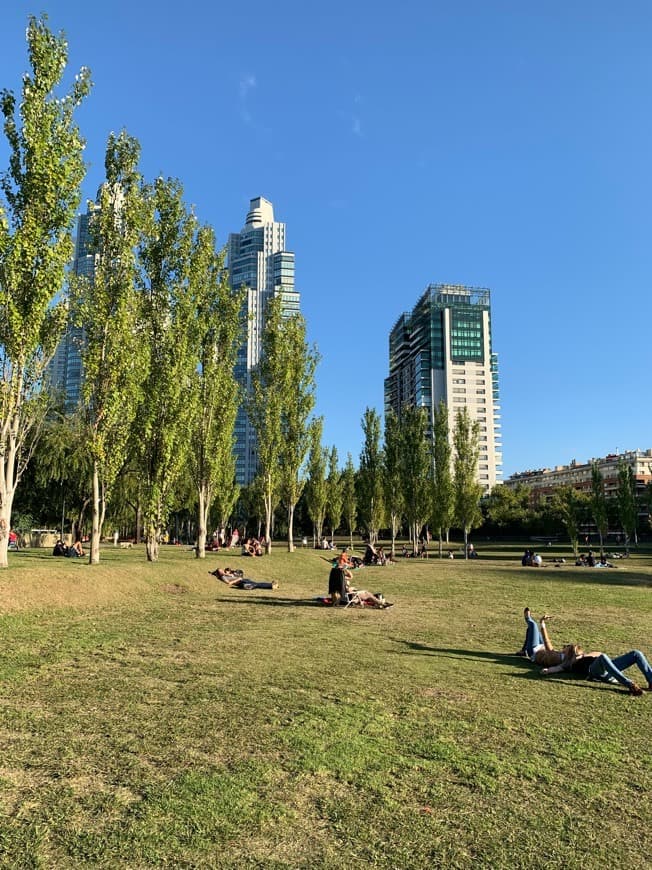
(475, 654)
(247, 598)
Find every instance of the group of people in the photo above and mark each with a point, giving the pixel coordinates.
(588, 560)
(571, 658)
(74, 551)
(531, 559)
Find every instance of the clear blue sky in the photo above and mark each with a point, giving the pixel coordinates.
(498, 144)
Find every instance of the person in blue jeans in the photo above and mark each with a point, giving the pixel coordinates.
(598, 666)
(538, 647)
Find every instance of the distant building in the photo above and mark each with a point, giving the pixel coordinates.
(257, 260)
(65, 368)
(544, 481)
(442, 350)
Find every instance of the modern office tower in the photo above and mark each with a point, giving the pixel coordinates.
(442, 350)
(65, 368)
(257, 260)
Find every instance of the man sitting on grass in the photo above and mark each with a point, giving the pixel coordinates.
(234, 579)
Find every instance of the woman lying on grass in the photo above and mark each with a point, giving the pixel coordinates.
(234, 579)
(572, 659)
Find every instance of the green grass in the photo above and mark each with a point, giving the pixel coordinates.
(150, 717)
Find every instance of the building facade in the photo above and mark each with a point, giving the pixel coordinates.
(258, 261)
(442, 350)
(544, 481)
(65, 368)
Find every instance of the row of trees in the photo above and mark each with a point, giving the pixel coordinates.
(159, 331)
(405, 478)
(515, 509)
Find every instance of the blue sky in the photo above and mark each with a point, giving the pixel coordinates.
(496, 144)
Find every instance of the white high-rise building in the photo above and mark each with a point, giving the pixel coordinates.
(258, 261)
(442, 350)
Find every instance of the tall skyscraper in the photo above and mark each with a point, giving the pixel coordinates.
(442, 350)
(65, 368)
(257, 260)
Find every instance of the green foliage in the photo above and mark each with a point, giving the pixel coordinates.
(335, 495)
(370, 475)
(170, 251)
(599, 507)
(466, 440)
(349, 497)
(316, 486)
(215, 392)
(626, 499)
(509, 506)
(415, 468)
(570, 506)
(443, 497)
(41, 194)
(393, 473)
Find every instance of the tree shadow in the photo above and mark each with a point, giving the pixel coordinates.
(475, 654)
(276, 601)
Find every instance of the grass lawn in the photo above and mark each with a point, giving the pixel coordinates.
(151, 717)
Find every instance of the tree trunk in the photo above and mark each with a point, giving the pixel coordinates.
(94, 554)
(202, 522)
(466, 543)
(152, 545)
(5, 528)
(290, 528)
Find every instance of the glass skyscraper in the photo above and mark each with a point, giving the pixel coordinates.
(442, 350)
(65, 368)
(258, 261)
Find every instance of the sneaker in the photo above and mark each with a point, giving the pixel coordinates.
(387, 604)
(635, 690)
(521, 654)
(274, 585)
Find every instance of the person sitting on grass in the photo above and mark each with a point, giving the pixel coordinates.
(234, 579)
(60, 549)
(598, 666)
(341, 591)
(76, 550)
(538, 647)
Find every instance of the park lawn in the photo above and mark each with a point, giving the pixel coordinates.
(151, 717)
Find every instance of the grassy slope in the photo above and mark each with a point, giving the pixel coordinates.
(150, 717)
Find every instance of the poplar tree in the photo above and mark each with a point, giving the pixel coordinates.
(316, 486)
(466, 441)
(370, 475)
(349, 497)
(215, 391)
(415, 469)
(626, 500)
(443, 497)
(334, 500)
(297, 387)
(599, 503)
(569, 506)
(113, 354)
(393, 474)
(41, 193)
(171, 276)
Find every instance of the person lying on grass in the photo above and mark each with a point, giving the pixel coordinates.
(538, 647)
(598, 666)
(572, 659)
(234, 579)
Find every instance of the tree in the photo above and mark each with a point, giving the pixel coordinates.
(393, 474)
(416, 460)
(370, 475)
(171, 278)
(466, 441)
(599, 503)
(349, 498)
(626, 500)
(113, 354)
(41, 193)
(316, 486)
(509, 505)
(215, 402)
(569, 506)
(297, 388)
(442, 492)
(334, 498)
